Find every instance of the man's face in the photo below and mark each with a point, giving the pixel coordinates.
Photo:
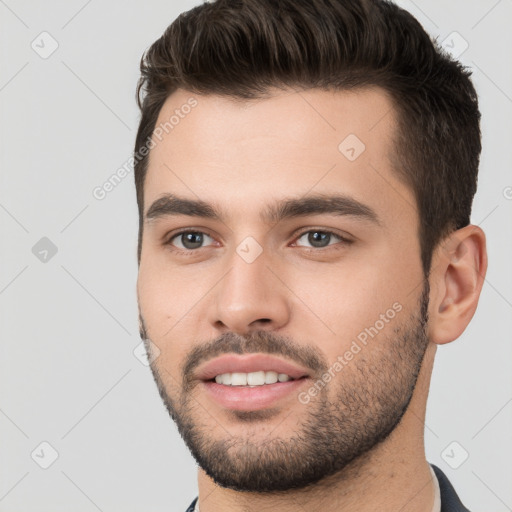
(333, 287)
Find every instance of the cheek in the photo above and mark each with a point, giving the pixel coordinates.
(170, 301)
(153, 300)
(348, 305)
(166, 294)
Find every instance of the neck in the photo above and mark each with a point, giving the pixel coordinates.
(393, 476)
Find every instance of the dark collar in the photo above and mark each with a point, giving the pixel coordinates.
(450, 502)
(192, 505)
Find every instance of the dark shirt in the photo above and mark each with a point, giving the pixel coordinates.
(450, 502)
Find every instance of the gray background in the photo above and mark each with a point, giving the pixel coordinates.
(68, 374)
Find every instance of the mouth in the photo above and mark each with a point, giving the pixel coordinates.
(250, 369)
(251, 382)
(252, 379)
(254, 397)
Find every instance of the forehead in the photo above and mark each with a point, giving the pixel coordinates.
(235, 153)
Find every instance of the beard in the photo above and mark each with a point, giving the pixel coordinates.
(367, 400)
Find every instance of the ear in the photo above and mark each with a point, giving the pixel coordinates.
(457, 275)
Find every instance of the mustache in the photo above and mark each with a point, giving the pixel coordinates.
(260, 341)
(264, 342)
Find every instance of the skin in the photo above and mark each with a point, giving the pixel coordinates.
(240, 157)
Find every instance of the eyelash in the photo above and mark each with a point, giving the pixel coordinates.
(343, 240)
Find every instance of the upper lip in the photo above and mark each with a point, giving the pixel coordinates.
(232, 363)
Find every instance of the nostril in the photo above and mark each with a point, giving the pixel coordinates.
(263, 320)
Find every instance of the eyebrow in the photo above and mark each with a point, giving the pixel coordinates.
(170, 205)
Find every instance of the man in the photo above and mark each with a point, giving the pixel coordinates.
(305, 171)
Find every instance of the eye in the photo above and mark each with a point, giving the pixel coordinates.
(321, 238)
(189, 240)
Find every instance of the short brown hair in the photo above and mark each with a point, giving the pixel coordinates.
(243, 48)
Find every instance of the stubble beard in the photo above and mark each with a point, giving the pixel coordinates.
(349, 417)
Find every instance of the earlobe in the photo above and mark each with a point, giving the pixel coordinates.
(458, 272)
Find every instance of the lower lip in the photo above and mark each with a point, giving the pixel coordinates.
(244, 398)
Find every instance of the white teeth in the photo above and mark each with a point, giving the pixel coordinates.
(251, 379)
(256, 378)
(271, 378)
(239, 379)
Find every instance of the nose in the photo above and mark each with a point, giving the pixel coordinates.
(249, 297)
